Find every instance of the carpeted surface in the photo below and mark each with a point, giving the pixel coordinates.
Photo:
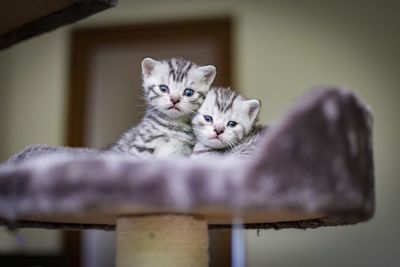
(314, 168)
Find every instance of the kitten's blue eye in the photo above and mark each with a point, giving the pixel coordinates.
(232, 124)
(208, 118)
(188, 92)
(164, 88)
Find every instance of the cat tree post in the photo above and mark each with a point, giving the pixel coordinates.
(314, 168)
(162, 240)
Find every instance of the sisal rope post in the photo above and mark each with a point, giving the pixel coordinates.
(162, 240)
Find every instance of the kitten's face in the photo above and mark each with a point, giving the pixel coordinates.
(176, 87)
(225, 118)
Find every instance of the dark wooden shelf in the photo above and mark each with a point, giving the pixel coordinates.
(23, 19)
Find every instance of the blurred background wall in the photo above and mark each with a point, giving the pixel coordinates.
(280, 50)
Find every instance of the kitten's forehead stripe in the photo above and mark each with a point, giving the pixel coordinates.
(186, 70)
(171, 69)
(224, 98)
(179, 68)
(229, 106)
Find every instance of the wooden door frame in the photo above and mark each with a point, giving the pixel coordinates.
(86, 41)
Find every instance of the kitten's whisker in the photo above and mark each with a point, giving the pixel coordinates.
(187, 115)
(233, 146)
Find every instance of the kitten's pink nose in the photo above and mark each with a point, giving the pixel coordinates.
(175, 99)
(219, 129)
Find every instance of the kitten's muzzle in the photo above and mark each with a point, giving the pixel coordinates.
(219, 129)
(175, 99)
(174, 107)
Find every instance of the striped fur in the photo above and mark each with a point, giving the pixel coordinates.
(224, 105)
(165, 130)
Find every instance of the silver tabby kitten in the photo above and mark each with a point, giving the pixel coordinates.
(174, 90)
(226, 125)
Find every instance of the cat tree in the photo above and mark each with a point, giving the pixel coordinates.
(314, 168)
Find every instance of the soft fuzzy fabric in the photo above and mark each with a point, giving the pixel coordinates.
(317, 159)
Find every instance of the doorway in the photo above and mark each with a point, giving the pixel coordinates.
(105, 100)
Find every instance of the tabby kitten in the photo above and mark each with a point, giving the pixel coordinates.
(226, 124)
(174, 90)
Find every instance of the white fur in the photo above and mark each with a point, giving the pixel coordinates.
(166, 128)
(157, 73)
(244, 112)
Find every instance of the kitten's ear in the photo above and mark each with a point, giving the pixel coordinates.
(208, 73)
(253, 108)
(148, 65)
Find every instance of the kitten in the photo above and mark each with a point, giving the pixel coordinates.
(174, 90)
(226, 125)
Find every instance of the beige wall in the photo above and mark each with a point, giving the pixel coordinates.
(280, 50)
(32, 110)
(33, 82)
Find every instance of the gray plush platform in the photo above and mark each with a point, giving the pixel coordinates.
(315, 168)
